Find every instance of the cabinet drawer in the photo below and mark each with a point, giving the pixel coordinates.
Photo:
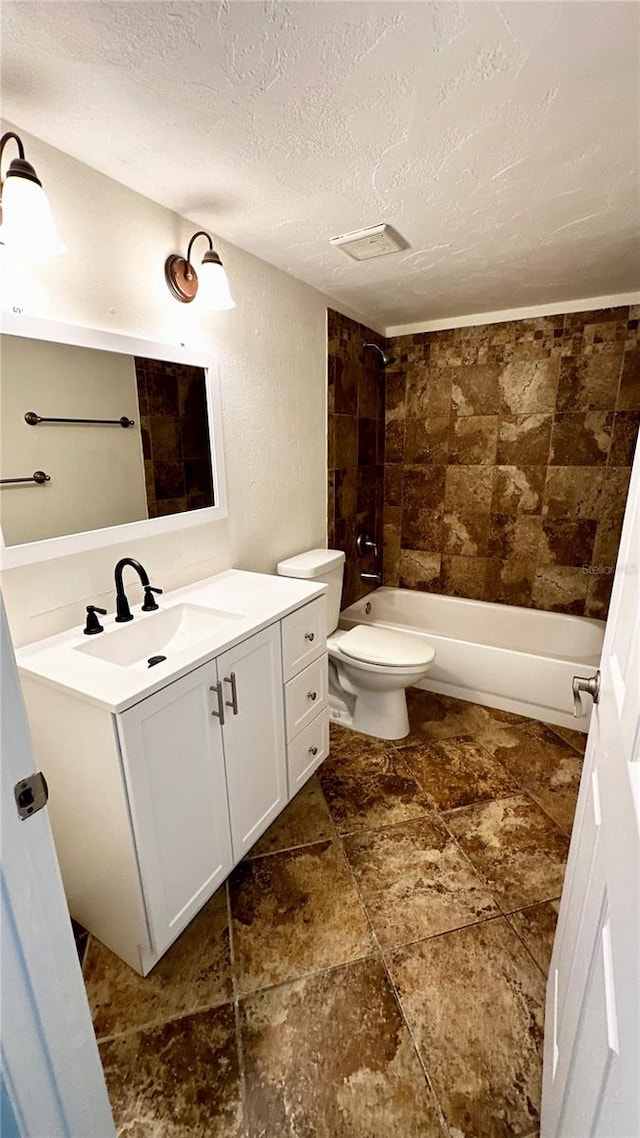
(307, 751)
(304, 635)
(306, 695)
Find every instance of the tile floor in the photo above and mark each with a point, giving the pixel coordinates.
(377, 964)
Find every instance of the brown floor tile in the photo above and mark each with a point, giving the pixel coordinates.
(545, 766)
(515, 847)
(456, 772)
(431, 717)
(577, 739)
(415, 882)
(475, 1001)
(537, 928)
(436, 717)
(295, 913)
(180, 1080)
(330, 1057)
(306, 819)
(367, 784)
(194, 973)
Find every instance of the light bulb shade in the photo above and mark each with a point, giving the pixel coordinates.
(27, 226)
(214, 286)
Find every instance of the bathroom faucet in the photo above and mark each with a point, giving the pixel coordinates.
(123, 612)
(377, 577)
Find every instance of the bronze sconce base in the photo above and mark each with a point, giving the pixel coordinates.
(181, 278)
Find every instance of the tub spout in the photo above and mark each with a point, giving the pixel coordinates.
(377, 577)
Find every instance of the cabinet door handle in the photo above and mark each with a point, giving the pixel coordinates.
(310, 636)
(313, 750)
(233, 702)
(217, 688)
(312, 695)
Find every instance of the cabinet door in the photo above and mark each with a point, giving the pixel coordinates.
(254, 746)
(174, 767)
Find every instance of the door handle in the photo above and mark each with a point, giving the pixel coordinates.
(588, 684)
(217, 688)
(233, 703)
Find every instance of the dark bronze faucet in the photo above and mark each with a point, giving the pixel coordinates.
(123, 612)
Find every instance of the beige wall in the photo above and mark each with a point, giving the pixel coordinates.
(272, 361)
(96, 472)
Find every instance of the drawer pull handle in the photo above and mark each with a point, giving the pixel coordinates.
(217, 688)
(312, 695)
(310, 636)
(313, 750)
(233, 702)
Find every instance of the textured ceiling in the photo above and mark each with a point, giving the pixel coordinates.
(501, 140)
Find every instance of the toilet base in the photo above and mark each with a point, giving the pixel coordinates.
(383, 715)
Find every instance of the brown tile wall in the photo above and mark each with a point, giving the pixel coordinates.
(175, 437)
(508, 450)
(356, 447)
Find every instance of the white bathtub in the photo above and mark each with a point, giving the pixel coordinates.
(515, 659)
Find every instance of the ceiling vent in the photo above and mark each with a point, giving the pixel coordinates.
(376, 241)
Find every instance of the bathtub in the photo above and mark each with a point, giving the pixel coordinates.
(514, 659)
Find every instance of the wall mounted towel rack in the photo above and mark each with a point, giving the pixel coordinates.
(38, 476)
(32, 419)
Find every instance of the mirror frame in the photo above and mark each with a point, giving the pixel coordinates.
(32, 328)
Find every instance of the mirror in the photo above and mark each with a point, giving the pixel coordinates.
(99, 431)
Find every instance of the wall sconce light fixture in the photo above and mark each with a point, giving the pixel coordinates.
(182, 279)
(27, 221)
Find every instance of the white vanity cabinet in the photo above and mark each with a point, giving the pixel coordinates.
(305, 666)
(154, 799)
(173, 761)
(204, 763)
(250, 676)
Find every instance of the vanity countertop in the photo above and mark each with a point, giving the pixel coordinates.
(221, 610)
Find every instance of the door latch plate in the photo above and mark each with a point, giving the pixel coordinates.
(31, 794)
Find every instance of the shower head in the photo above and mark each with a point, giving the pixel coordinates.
(385, 360)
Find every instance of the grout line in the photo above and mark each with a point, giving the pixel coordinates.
(288, 849)
(236, 1007)
(369, 955)
(529, 905)
(402, 744)
(152, 1024)
(517, 793)
(556, 732)
(523, 942)
(445, 932)
(567, 836)
(482, 877)
(439, 1112)
(184, 1014)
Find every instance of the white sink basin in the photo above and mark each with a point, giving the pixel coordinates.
(193, 626)
(162, 633)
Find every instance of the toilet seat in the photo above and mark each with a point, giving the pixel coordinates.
(385, 648)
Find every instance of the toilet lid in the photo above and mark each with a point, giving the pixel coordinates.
(375, 645)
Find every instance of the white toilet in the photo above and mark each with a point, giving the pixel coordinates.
(369, 667)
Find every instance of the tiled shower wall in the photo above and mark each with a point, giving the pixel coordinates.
(507, 458)
(175, 436)
(356, 447)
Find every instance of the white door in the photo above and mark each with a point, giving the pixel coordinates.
(591, 1082)
(174, 766)
(254, 743)
(52, 1081)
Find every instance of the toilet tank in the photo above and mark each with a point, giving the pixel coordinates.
(324, 565)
